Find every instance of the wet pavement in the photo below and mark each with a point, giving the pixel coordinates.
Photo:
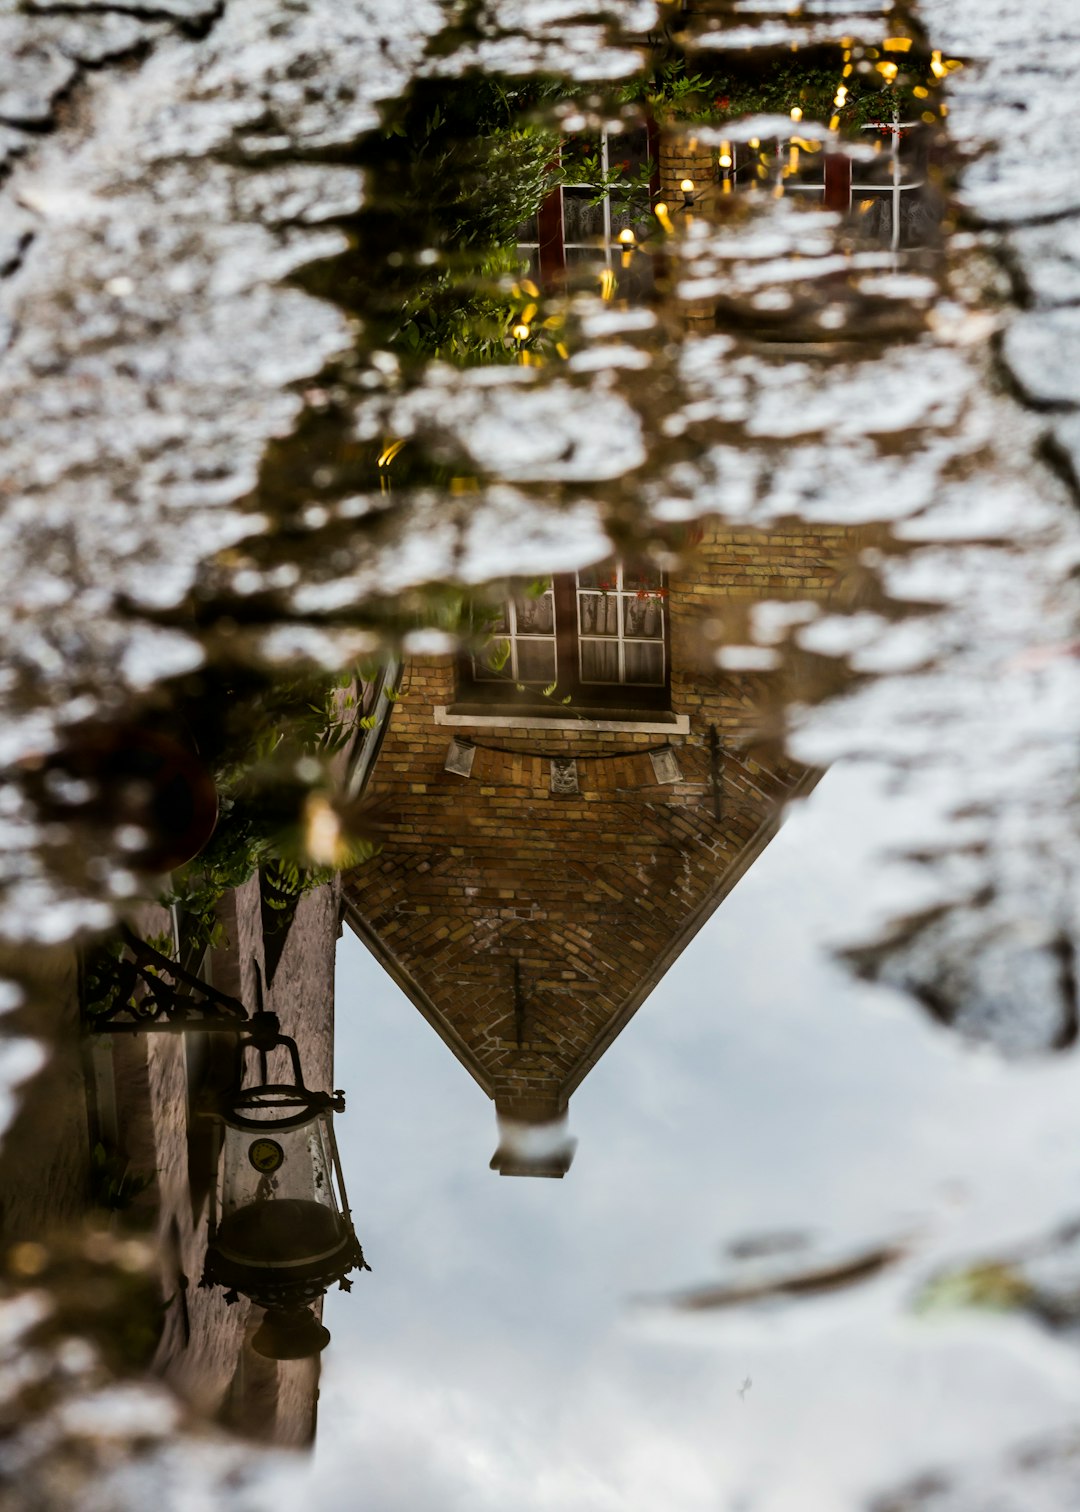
(333, 341)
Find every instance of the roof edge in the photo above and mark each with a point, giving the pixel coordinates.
(415, 993)
(732, 877)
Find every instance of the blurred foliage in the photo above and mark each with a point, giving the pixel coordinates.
(724, 94)
(996, 1286)
(103, 1287)
(271, 745)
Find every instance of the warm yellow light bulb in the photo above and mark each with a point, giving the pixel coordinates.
(796, 113)
(520, 333)
(627, 237)
(687, 186)
(754, 142)
(725, 160)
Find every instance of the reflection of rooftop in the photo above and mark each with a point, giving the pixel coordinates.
(542, 880)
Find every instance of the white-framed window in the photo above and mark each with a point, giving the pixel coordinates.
(621, 626)
(523, 645)
(579, 640)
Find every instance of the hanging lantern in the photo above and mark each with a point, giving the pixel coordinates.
(280, 1227)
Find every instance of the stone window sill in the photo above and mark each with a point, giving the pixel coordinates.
(656, 724)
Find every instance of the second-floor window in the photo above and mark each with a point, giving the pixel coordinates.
(597, 638)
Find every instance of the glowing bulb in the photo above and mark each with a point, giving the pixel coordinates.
(841, 97)
(687, 186)
(725, 160)
(627, 237)
(755, 143)
(520, 333)
(796, 113)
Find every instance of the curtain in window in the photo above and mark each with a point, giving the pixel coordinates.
(600, 661)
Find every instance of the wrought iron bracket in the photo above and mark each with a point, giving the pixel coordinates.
(151, 993)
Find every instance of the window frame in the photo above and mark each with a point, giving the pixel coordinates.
(571, 695)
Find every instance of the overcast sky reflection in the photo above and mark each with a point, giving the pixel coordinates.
(509, 1348)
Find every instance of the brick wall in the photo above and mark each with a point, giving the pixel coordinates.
(528, 925)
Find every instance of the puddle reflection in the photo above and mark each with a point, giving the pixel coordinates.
(584, 421)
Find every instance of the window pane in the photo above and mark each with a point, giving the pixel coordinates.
(493, 663)
(536, 661)
(636, 578)
(599, 613)
(645, 663)
(599, 661)
(644, 617)
(582, 222)
(580, 154)
(535, 616)
(602, 577)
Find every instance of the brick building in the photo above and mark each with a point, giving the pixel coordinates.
(107, 1143)
(551, 861)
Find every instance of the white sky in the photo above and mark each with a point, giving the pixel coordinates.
(497, 1358)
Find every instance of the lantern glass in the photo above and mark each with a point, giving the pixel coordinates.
(278, 1205)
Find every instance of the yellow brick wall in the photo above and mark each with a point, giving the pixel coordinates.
(588, 894)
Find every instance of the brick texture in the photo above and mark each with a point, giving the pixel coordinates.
(528, 926)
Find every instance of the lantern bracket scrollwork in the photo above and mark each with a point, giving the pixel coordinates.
(149, 992)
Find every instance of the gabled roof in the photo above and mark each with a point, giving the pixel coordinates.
(529, 927)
